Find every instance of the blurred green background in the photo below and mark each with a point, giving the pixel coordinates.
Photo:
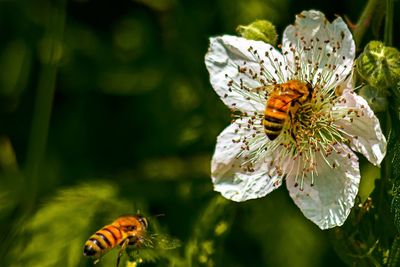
(106, 108)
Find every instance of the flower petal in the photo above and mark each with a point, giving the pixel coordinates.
(328, 202)
(318, 50)
(230, 176)
(235, 71)
(362, 126)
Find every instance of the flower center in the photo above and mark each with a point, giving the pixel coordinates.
(309, 130)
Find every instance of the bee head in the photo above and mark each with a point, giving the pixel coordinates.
(142, 220)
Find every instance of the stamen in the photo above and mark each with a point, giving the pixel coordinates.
(312, 131)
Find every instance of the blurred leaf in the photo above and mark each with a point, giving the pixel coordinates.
(126, 81)
(369, 174)
(130, 37)
(176, 168)
(274, 223)
(61, 227)
(7, 203)
(153, 254)
(378, 20)
(8, 159)
(362, 241)
(356, 242)
(246, 11)
(159, 5)
(119, 61)
(15, 62)
(208, 232)
(184, 96)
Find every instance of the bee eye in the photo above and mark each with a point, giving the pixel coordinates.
(131, 228)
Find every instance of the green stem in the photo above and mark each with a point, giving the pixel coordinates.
(387, 170)
(365, 20)
(44, 99)
(381, 203)
(388, 37)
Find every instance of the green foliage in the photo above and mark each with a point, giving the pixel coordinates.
(259, 30)
(362, 241)
(8, 160)
(394, 161)
(209, 231)
(16, 59)
(246, 11)
(396, 103)
(395, 170)
(276, 218)
(394, 256)
(61, 227)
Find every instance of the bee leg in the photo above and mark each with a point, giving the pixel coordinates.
(293, 136)
(292, 126)
(121, 251)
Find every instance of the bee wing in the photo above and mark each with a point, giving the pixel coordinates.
(147, 241)
(162, 241)
(153, 247)
(159, 241)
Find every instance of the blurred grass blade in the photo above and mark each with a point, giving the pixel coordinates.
(50, 56)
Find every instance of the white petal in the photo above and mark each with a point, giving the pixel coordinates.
(329, 201)
(364, 130)
(223, 59)
(328, 46)
(233, 180)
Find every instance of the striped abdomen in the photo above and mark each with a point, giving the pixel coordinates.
(102, 241)
(276, 113)
(285, 99)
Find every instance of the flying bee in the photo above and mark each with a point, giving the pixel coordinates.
(128, 232)
(283, 102)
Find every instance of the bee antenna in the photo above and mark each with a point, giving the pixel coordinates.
(155, 216)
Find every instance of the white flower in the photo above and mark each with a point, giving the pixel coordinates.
(314, 152)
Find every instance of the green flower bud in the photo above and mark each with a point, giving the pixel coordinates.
(379, 65)
(259, 30)
(377, 99)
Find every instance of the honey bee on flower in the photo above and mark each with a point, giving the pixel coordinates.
(297, 118)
